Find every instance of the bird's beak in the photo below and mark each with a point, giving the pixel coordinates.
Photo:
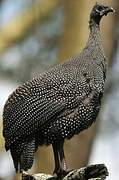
(106, 11)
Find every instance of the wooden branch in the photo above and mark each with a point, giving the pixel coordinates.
(94, 172)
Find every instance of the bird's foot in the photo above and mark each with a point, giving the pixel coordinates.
(59, 174)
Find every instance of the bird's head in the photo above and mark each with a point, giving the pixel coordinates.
(99, 11)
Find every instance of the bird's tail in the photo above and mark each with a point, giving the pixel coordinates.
(23, 155)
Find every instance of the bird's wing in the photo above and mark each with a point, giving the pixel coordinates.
(26, 116)
(28, 109)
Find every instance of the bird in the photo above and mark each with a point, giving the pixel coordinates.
(60, 103)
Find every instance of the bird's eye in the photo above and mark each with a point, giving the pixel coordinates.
(99, 8)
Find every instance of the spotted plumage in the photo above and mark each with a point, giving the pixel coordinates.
(59, 104)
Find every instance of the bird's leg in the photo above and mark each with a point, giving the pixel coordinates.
(60, 162)
(63, 163)
(56, 158)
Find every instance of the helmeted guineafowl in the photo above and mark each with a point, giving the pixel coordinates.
(62, 102)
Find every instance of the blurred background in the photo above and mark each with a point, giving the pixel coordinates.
(38, 34)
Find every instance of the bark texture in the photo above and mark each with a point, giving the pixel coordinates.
(94, 172)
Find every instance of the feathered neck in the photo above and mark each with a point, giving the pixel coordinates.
(93, 24)
(94, 40)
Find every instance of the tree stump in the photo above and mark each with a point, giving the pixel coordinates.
(91, 172)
